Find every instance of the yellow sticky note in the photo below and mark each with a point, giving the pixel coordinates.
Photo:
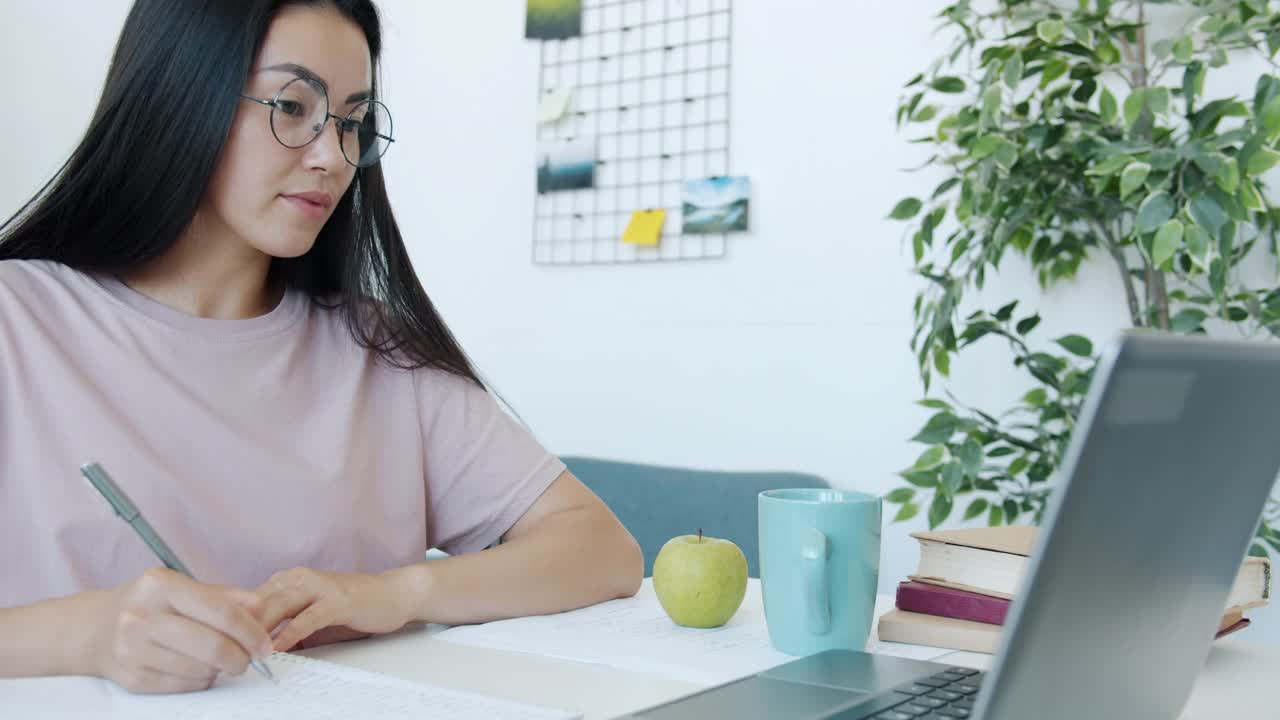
(645, 227)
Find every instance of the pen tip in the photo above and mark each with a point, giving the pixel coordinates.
(265, 670)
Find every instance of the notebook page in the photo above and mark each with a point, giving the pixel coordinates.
(320, 690)
(635, 634)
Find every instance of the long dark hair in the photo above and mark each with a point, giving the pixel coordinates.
(134, 182)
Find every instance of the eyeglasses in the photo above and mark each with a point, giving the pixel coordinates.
(300, 110)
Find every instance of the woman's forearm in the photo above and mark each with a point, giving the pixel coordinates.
(52, 637)
(571, 560)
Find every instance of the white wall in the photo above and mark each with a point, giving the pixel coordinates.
(790, 353)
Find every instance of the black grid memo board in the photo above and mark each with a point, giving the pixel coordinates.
(650, 82)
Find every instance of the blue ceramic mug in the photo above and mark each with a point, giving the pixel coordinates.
(819, 563)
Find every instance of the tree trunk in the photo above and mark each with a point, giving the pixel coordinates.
(1157, 292)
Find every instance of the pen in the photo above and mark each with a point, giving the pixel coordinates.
(124, 507)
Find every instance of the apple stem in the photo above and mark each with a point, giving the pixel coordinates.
(699, 534)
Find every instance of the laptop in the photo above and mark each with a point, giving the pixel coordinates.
(1175, 453)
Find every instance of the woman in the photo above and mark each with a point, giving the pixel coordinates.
(213, 300)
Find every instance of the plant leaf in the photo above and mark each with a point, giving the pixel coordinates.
(1133, 106)
(976, 508)
(1218, 277)
(1261, 161)
(1110, 165)
(986, 145)
(1192, 82)
(1053, 69)
(1168, 241)
(952, 478)
(1082, 33)
(906, 209)
(1135, 173)
(970, 457)
(1188, 321)
(1197, 242)
(939, 509)
(925, 114)
(1182, 49)
(1006, 155)
(1013, 71)
(906, 512)
(921, 479)
(1250, 199)
(1228, 177)
(1154, 211)
(1049, 30)
(942, 360)
(1271, 116)
(1207, 212)
(1076, 345)
(938, 430)
(930, 459)
(900, 495)
(1027, 324)
(995, 516)
(1158, 99)
(948, 84)
(1018, 465)
(1107, 106)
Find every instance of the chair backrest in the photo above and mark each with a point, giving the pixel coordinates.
(658, 503)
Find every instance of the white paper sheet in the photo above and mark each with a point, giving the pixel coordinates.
(320, 690)
(635, 634)
(554, 104)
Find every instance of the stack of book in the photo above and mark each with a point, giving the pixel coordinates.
(960, 594)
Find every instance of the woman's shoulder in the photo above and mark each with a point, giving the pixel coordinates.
(19, 273)
(43, 297)
(436, 380)
(363, 326)
(37, 281)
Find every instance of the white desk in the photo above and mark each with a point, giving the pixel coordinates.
(1237, 682)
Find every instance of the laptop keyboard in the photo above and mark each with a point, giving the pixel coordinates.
(945, 696)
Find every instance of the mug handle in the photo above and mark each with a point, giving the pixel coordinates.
(813, 559)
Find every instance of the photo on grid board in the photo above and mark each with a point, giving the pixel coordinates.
(566, 164)
(553, 19)
(716, 204)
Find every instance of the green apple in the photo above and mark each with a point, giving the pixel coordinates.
(700, 580)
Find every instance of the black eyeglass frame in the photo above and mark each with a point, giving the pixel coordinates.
(339, 122)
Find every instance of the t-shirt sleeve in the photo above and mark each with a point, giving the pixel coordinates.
(483, 469)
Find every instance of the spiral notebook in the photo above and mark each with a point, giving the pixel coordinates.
(320, 690)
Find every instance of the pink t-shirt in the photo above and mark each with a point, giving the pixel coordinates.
(252, 446)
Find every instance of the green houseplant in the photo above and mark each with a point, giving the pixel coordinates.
(1067, 131)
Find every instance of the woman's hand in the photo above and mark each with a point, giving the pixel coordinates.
(165, 632)
(323, 607)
